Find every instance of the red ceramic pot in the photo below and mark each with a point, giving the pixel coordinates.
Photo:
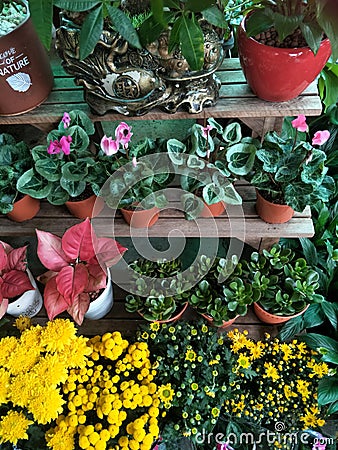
(26, 77)
(214, 210)
(24, 209)
(143, 218)
(279, 74)
(272, 212)
(273, 319)
(90, 207)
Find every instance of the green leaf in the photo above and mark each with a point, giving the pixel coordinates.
(333, 408)
(286, 25)
(241, 158)
(150, 31)
(42, 16)
(157, 11)
(74, 171)
(257, 22)
(80, 118)
(192, 43)
(313, 35)
(316, 341)
(198, 6)
(91, 31)
(309, 250)
(331, 313)
(174, 36)
(194, 162)
(57, 196)
(291, 328)
(123, 25)
(192, 206)
(49, 168)
(327, 390)
(76, 5)
(215, 17)
(74, 188)
(33, 184)
(327, 17)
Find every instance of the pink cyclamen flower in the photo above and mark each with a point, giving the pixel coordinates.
(134, 161)
(320, 137)
(205, 131)
(54, 147)
(300, 123)
(123, 134)
(319, 446)
(65, 142)
(109, 146)
(66, 120)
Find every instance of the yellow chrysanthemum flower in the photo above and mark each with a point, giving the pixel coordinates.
(14, 426)
(166, 393)
(190, 355)
(4, 383)
(22, 323)
(47, 405)
(57, 334)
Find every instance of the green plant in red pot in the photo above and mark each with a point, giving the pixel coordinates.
(78, 266)
(289, 172)
(284, 44)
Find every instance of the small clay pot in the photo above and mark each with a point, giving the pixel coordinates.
(225, 324)
(214, 210)
(143, 218)
(174, 318)
(90, 207)
(273, 319)
(24, 209)
(272, 212)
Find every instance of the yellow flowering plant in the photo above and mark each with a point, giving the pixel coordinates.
(275, 388)
(113, 402)
(33, 367)
(195, 362)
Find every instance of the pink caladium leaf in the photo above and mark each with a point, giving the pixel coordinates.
(17, 259)
(15, 283)
(8, 248)
(3, 258)
(54, 302)
(97, 278)
(108, 252)
(72, 281)
(79, 241)
(3, 306)
(79, 307)
(50, 251)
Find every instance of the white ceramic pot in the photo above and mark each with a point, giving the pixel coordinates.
(103, 304)
(29, 303)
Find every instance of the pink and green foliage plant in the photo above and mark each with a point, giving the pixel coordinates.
(78, 264)
(14, 280)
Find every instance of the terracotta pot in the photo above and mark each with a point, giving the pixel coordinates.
(143, 218)
(24, 209)
(214, 210)
(25, 75)
(174, 318)
(101, 306)
(272, 212)
(279, 74)
(225, 324)
(29, 303)
(90, 207)
(267, 317)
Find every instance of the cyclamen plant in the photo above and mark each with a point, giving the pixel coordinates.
(14, 280)
(78, 264)
(135, 180)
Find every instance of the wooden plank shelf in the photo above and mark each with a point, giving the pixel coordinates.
(241, 222)
(236, 101)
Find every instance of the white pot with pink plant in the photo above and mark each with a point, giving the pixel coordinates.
(78, 280)
(19, 294)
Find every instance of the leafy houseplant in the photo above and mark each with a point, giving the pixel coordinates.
(286, 285)
(224, 293)
(136, 176)
(66, 168)
(156, 299)
(15, 159)
(287, 170)
(197, 364)
(14, 279)
(201, 164)
(78, 264)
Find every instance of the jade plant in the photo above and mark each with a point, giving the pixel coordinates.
(78, 264)
(65, 168)
(224, 293)
(286, 284)
(200, 160)
(15, 159)
(154, 297)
